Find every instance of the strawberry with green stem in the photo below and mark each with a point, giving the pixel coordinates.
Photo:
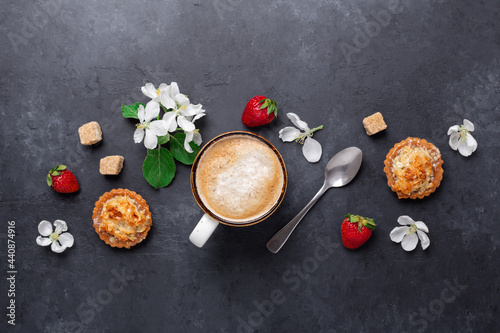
(356, 230)
(259, 111)
(62, 180)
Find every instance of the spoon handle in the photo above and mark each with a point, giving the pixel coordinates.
(280, 238)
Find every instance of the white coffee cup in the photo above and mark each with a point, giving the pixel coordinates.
(238, 179)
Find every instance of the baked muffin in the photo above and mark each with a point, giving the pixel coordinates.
(413, 168)
(121, 218)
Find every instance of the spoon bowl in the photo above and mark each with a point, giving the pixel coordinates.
(343, 167)
(339, 171)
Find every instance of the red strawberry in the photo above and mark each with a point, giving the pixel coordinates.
(356, 230)
(62, 180)
(259, 111)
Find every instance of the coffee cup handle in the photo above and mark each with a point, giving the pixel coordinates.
(203, 230)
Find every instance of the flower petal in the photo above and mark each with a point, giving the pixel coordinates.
(398, 233)
(141, 113)
(197, 138)
(162, 86)
(181, 99)
(468, 146)
(468, 125)
(191, 110)
(409, 242)
(60, 226)
(471, 142)
(454, 140)
(45, 228)
(189, 136)
(424, 239)
(169, 119)
(453, 129)
(198, 116)
(297, 122)
(43, 241)
(138, 135)
(405, 220)
(187, 140)
(152, 110)
(158, 127)
(66, 239)
(57, 248)
(422, 226)
(185, 124)
(149, 90)
(288, 134)
(150, 140)
(174, 89)
(166, 100)
(312, 150)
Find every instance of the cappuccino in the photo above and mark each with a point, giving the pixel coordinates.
(239, 178)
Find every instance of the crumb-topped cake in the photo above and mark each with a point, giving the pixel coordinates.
(121, 218)
(413, 168)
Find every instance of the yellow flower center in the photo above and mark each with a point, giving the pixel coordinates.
(54, 236)
(463, 133)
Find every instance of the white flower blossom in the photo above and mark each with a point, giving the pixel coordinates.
(183, 113)
(179, 114)
(147, 129)
(461, 139)
(57, 240)
(410, 233)
(192, 136)
(150, 91)
(311, 148)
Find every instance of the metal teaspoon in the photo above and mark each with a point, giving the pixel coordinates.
(339, 171)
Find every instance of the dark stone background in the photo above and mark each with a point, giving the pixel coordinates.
(426, 65)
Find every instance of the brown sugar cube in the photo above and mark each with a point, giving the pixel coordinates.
(111, 165)
(90, 133)
(374, 123)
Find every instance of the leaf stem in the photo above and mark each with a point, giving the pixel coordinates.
(163, 108)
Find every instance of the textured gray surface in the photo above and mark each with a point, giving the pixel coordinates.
(425, 66)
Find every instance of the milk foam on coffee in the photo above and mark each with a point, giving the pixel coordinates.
(239, 178)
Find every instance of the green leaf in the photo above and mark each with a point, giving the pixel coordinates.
(177, 149)
(353, 218)
(163, 139)
(60, 167)
(370, 224)
(272, 106)
(130, 111)
(49, 180)
(159, 167)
